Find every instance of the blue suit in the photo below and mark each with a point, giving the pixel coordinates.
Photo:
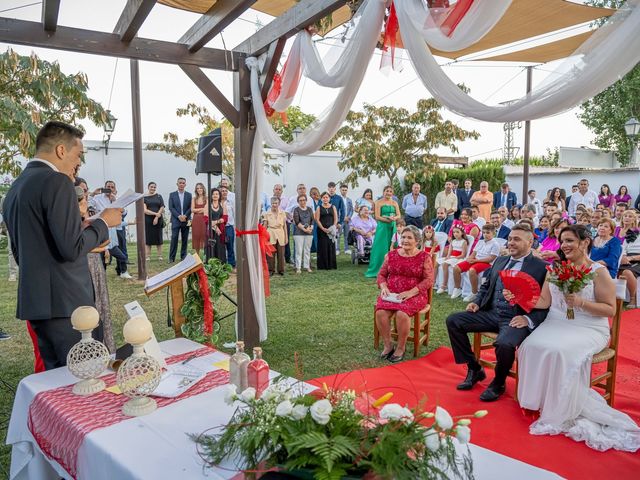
(503, 232)
(464, 200)
(444, 227)
(511, 200)
(178, 227)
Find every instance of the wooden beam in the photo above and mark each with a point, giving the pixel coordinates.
(138, 174)
(22, 32)
(212, 92)
(271, 65)
(50, 10)
(133, 16)
(289, 23)
(219, 16)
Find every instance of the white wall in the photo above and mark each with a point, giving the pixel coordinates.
(586, 158)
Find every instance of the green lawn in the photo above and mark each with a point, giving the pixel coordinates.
(324, 317)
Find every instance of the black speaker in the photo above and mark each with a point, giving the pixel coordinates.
(209, 157)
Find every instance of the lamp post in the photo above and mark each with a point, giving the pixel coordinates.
(109, 127)
(632, 129)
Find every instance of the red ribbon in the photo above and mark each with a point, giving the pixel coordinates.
(391, 33)
(265, 249)
(203, 282)
(457, 13)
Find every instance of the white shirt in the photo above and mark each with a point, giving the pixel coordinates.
(101, 202)
(480, 221)
(589, 199)
(231, 210)
(51, 165)
(181, 198)
(508, 223)
(538, 204)
(487, 248)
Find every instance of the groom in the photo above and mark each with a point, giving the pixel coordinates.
(490, 312)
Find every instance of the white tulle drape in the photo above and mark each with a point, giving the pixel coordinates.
(611, 52)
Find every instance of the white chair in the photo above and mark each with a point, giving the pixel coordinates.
(621, 289)
(441, 238)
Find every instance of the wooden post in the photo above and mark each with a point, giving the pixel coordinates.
(527, 141)
(137, 166)
(243, 141)
(177, 300)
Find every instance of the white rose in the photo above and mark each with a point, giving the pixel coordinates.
(432, 440)
(443, 419)
(284, 409)
(299, 412)
(230, 394)
(321, 411)
(463, 434)
(248, 394)
(270, 393)
(393, 411)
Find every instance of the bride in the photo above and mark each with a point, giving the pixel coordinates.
(554, 362)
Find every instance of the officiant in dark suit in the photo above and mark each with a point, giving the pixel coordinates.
(490, 312)
(180, 208)
(464, 196)
(50, 243)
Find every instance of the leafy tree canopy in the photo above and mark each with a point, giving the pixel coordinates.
(383, 140)
(32, 92)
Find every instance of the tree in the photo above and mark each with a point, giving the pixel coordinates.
(32, 92)
(606, 113)
(383, 140)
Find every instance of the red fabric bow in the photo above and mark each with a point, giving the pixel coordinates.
(391, 34)
(265, 249)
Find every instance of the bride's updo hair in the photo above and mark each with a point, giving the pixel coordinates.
(579, 231)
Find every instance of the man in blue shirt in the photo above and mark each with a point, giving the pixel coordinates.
(336, 201)
(414, 204)
(504, 198)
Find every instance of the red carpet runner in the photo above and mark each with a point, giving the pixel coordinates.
(505, 429)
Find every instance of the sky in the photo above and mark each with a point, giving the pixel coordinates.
(164, 88)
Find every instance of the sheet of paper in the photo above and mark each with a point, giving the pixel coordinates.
(222, 364)
(170, 273)
(123, 201)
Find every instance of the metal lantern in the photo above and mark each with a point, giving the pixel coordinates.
(88, 358)
(139, 375)
(632, 128)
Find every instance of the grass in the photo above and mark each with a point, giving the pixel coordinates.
(325, 317)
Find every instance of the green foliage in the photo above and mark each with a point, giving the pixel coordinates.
(491, 171)
(606, 113)
(32, 92)
(384, 140)
(193, 307)
(296, 118)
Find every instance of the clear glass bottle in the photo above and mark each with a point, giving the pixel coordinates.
(238, 367)
(258, 372)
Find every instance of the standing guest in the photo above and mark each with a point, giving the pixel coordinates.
(153, 220)
(13, 266)
(583, 196)
(623, 195)
(619, 211)
(483, 199)
(476, 218)
(607, 198)
(486, 251)
(491, 312)
(50, 244)
(447, 199)
(314, 202)
(336, 201)
(532, 200)
(630, 264)
(408, 273)
(200, 218)
(548, 250)
(104, 197)
(606, 248)
(504, 197)
(289, 255)
(303, 219)
(387, 212)
(326, 218)
(441, 223)
(395, 239)
(230, 225)
(414, 204)
(502, 231)
(230, 195)
(180, 208)
(219, 217)
(574, 189)
(365, 199)
(102, 201)
(114, 251)
(464, 196)
(542, 230)
(364, 228)
(628, 222)
(346, 217)
(277, 192)
(275, 221)
(557, 198)
(457, 251)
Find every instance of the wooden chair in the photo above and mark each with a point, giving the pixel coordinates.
(605, 381)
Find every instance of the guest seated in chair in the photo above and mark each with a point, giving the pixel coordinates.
(606, 248)
(405, 277)
(630, 264)
(364, 228)
(491, 312)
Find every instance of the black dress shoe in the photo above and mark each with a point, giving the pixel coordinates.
(473, 377)
(492, 393)
(385, 356)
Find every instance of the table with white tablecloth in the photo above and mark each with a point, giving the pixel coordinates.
(158, 446)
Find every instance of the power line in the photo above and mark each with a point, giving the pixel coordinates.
(20, 6)
(113, 82)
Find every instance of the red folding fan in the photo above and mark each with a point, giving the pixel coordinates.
(523, 286)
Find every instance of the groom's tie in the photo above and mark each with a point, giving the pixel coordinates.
(511, 264)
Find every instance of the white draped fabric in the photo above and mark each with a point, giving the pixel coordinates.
(610, 53)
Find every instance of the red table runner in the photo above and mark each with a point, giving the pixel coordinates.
(59, 420)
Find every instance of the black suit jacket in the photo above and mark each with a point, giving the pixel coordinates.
(464, 200)
(512, 199)
(532, 265)
(49, 244)
(503, 232)
(446, 225)
(174, 208)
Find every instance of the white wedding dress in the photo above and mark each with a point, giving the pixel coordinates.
(554, 371)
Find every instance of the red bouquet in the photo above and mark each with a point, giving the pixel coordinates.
(569, 279)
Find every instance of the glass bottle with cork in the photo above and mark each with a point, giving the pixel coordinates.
(258, 372)
(238, 367)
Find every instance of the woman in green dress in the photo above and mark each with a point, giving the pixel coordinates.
(387, 212)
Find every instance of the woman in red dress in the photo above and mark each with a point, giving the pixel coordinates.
(404, 280)
(199, 218)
